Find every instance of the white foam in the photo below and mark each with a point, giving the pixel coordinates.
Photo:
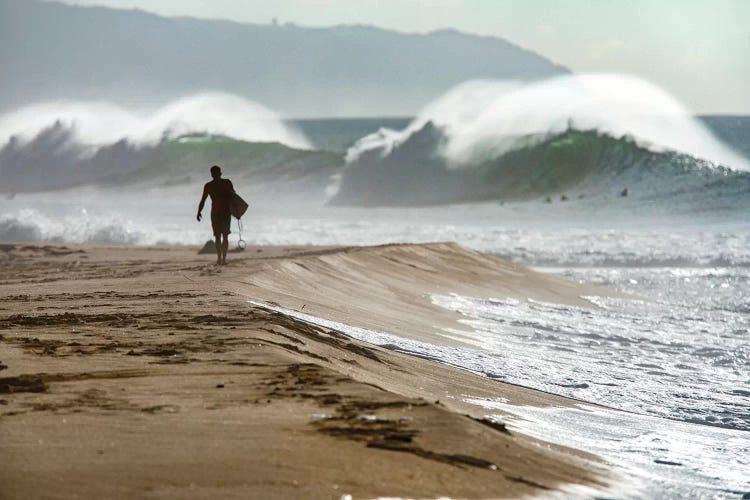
(649, 356)
(484, 117)
(652, 457)
(100, 123)
(712, 459)
(81, 227)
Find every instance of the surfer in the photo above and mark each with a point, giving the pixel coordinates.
(221, 191)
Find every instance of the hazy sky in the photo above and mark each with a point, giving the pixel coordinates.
(698, 50)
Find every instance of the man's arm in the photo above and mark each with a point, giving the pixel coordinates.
(203, 202)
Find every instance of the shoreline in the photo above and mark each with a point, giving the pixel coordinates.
(142, 371)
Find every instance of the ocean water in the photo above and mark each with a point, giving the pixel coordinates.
(679, 351)
(675, 359)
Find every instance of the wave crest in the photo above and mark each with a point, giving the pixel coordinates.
(98, 123)
(483, 119)
(580, 163)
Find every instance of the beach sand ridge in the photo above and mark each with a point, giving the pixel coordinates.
(143, 372)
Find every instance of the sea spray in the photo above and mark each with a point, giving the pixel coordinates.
(588, 136)
(102, 123)
(482, 119)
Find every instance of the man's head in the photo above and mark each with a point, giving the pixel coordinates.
(215, 171)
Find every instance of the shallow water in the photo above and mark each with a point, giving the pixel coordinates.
(651, 457)
(658, 358)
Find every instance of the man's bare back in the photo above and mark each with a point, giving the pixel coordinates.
(220, 190)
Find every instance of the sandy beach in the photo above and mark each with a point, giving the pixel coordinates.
(139, 372)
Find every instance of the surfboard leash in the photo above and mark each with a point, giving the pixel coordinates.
(240, 243)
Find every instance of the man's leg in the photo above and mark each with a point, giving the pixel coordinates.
(217, 244)
(224, 248)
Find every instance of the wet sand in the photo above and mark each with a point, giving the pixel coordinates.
(143, 372)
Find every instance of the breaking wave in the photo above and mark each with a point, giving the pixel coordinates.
(592, 135)
(55, 158)
(573, 163)
(483, 119)
(59, 145)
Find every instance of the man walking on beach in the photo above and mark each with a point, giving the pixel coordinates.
(220, 190)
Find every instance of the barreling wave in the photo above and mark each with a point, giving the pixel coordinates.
(60, 145)
(574, 163)
(589, 135)
(483, 117)
(56, 159)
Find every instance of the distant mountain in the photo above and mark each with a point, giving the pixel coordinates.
(51, 50)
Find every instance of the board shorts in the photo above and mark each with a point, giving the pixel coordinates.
(221, 223)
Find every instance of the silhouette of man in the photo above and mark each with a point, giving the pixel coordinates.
(220, 190)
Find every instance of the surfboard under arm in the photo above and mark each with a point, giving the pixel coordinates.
(237, 206)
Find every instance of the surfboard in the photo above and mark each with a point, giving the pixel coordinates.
(237, 206)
